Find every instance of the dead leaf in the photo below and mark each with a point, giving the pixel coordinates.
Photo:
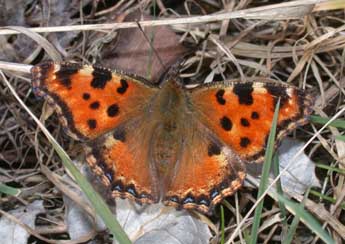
(12, 233)
(301, 174)
(157, 223)
(133, 53)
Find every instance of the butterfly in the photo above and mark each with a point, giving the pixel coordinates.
(186, 147)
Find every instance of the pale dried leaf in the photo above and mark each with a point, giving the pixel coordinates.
(156, 223)
(12, 233)
(301, 174)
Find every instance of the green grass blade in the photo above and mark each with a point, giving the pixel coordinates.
(9, 190)
(222, 224)
(326, 198)
(292, 230)
(340, 138)
(339, 123)
(294, 224)
(265, 175)
(307, 219)
(330, 168)
(283, 211)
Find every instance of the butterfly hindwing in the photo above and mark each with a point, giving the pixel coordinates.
(241, 113)
(121, 159)
(90, 100)
(206, 172)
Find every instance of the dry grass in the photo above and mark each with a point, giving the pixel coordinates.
(300, 43)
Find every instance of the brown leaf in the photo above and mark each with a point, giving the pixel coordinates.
(132, 52)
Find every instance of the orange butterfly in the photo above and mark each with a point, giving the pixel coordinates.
(185, 147)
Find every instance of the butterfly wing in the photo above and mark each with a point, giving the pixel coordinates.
(121, 158)
(106, 110)
(90, 100)
(206, 172)
(241, 114)
(228, 124)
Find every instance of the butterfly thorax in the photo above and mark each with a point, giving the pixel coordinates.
(168, 134)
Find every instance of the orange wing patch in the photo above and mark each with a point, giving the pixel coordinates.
(206, 173)
(122, 167)
(241, 113)
(90, 100)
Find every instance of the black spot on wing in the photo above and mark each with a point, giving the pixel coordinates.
(226, 123)
(100, 77)
(65, 72)
(120, 134)
(245, 122)
(255, 115)
(86, 96)
(92, 123)
(244, 93)
(220, 98)
(123, 88)
(94, 105)
(213, 149)
(277, 92)
(244, 142)
(113, 110)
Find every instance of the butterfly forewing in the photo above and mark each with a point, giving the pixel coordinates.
(91, 100)
(240, 114)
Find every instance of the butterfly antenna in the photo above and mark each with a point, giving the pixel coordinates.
(151, 45)
(174, 69)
